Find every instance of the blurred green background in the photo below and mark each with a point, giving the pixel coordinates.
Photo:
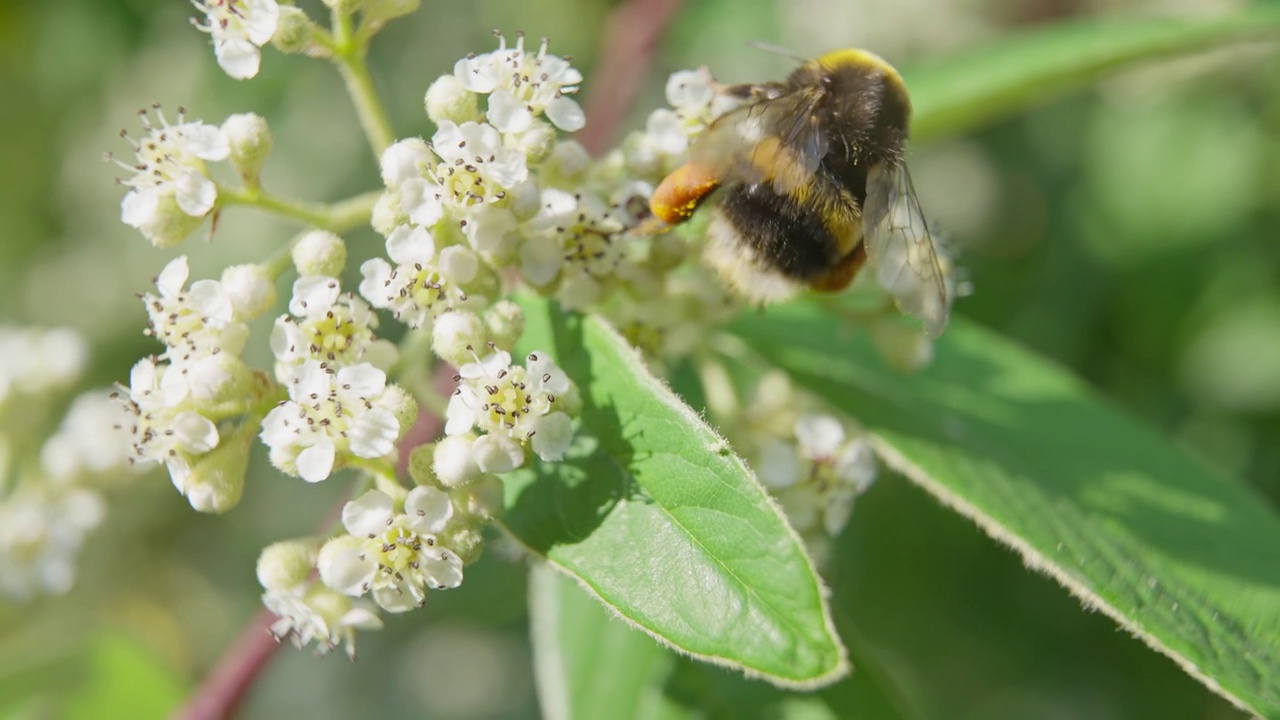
(1128, 232)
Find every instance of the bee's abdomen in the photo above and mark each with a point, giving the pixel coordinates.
(781, 233)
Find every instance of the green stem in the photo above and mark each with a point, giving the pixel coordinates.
(339, 217)
(349, 51)
(377, 467)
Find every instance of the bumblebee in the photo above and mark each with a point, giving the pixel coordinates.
(811, 185)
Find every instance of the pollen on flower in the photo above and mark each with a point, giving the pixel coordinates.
(522, 85)
(392, 550)
(328, 325)
(331, 416)
(515, 405)
(169, 186)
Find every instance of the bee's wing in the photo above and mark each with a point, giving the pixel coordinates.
(776, 140)
(900, 250)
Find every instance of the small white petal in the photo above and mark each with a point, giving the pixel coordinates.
(458, 264)
(497, 453)
(316, 462)
(444, 568)
(410, 246)
(194, 192)
(552, 436)
(314, 295)
(238, 58)
(207, 142)
(428, 510)
(820, 436)
(195, 433)
(373, 433)
(508, 114)
(565, 114)
(173, 277)
(369, 514)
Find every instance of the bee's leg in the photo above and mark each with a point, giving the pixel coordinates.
(682, 191)
(842, 273)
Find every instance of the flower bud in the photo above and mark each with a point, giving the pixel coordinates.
(320, 252)
(421, 458)
(251, 291)
(286, 564)
(250, 141)
(446, 99)
(388, 9)
(569, 160)
(536, 142)
(400, 404)
(453, 461)
(405, 159)
(505, 323)
(293, 30)
(457, 336)
(216, 479)
(388, 213)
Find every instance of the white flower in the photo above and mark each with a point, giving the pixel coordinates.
(584, 230)
(163, 420)
(201, 320)
(329, 326)
(515, 405)
(312, 612)
(423, 283)
(239, 28)
(522, 86)
(41, 530)
(477, 167)
(818, 478)
(330, 417)
(169, 177)
(392, 553)
(35, 360)
(91, 441)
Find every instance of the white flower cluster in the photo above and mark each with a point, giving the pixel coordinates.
(175, 401)
(170, 192)
(340, 407)
(396, 547)
(517, 408)
(49, 491)
(35, 361)
(811, 461)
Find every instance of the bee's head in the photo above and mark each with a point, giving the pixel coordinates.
(864, 101)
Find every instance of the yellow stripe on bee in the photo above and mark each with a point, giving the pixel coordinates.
(853, 57)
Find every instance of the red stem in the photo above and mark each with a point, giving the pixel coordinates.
(224, 687)
(630, 37)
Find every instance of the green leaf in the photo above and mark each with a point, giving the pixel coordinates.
(952, 95)
(655, 515)
(1184, 559)
(591, 665)
(587, 663)
(125, 680)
